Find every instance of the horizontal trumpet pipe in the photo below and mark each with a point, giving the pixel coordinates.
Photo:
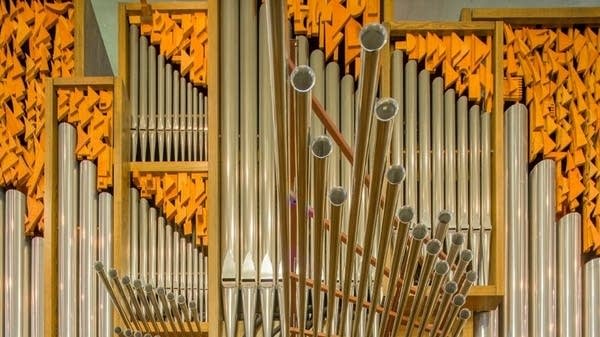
(457, 302)
(450, 289)
(467, 282)
(183, 307)
(466, 256)
(162, 296)
(99, 266)
(462, 318)
(114, 276)
(457, 241)
(149, 290)
(133, 298)
(119, 331)
(175, 310)
(337, 198)
(139, 289)
(194, 314)
(440, 272)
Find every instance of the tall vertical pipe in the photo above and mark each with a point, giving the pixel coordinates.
(569, 276)
(317, 64)
(450, 155)
(230, 107)
(182, 265)
(195, 125)
(486, 198)
(542, 252)
(248, 156)
(437, 148)
(302, 50)
(169, 80)
(332, 92)
(424, 83)
(201, 128)
(183, 111)
(337, 198)
(160, 110)
(175, 261)
(152, 101)
(373, 38)
(152, 245)
(462, 135)
(169, 258)
(321, 149)
(397, 87)
(143, 237)
(515, 305)
(385, 111)
(176, 111)
(26, 286)
(591, 289)
(160, 252)
(302, 81)
(134, 82)
(134, 236)
(88, 220)
(15, 223)
(410, 99)
(485, 324)
(189, 259)
(37, 288)
(67, 230)
(267, 217)
(143, 105)
(189, 121)
(105, 249)
(474, 184)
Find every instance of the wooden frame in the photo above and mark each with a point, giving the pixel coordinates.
(534, 16)
(490, 296)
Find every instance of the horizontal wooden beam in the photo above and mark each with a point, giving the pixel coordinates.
(99, 81)
(401, 28)
(547, 16)
(169, 167)
(171, 7)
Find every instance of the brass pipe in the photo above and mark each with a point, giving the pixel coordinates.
(465, 258)
(119, 331)
(385, 111)
(137, 284)
(444, 218)
(195, 316)
(114, 276)
(373, 38)
(133, 298)
(440, 272)
(433, 249)
(462, 318)
(394, 177)
(183, 307)
(457, 302)
(405, 216)
(450, 288)
(321, 149)
(162, 296)
(337, 198)
(174, 308)
(456, 244)
(467, 282)
(419, 233)
(157, 314)
(302, 81)
(99, 266)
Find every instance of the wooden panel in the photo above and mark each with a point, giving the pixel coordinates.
(171, 167)
(400, 28)
(536, 16)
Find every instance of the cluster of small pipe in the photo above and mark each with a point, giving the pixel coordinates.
(543, 262)
(144, 308)
(84, 236)
(168, 113)
(21, 271)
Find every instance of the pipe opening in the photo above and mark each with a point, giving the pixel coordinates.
(464, 314)
(442, 267)
(137, 334)
(126, 280)
(321, 147)
(118, 330)
(373, 37)
(466, 255)
(406, 214)
(160, 291)
(451, 287)
(433, 247)
(171, 297)
(148, 288)
(112, 273)
(472, 276)
(99, 266)
(458, 300)
(395, 174)
(128, 333)
(419, 232)
(445, 217)
(386, 109)
(337, 196)
(137, 284)
(458, 239)
(181, 299)
(303, 78)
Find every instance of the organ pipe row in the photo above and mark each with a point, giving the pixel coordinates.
(168, 113)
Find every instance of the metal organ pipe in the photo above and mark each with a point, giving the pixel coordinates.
(450, 157)
(152, 104)
(591, 324)
(14, 279)
(569, 266)
(462, 129)
(105, 249)
(134, 81)
(437, 149)
(410, 99)
(424, 130)
(337, 198)
(143, 105)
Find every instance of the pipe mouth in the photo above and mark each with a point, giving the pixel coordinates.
(160, 291)
(472, 276)
(148, 288)
(433, 247)
(126, 280)
(99, 266)
(441, 267)
(147, 335)
(337, 196)
(303, 78)
(386, 109)
(395, 174)
(192, 305)
(112, 273)
(445, 216)
(466, 255)
(373, 37)
(128, 333)
(451, 287)
(171, 297)
(321, 147)
(464, 314)
(137, 334)
(406, 214)
(118, 330)
(458, 300)
(419, 232)
(181, 299)
(137, 284)
(458, 239)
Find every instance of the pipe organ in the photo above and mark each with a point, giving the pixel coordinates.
(298, 168)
